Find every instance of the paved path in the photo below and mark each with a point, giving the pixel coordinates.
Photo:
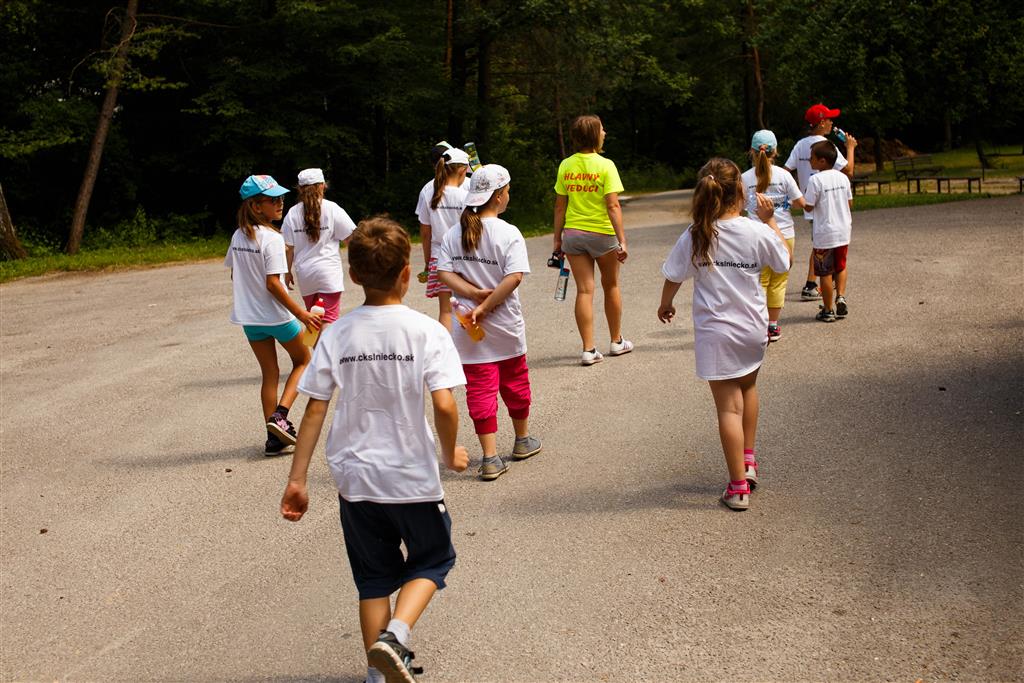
(885, 544)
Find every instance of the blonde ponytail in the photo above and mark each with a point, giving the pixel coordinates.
(312, 197)
(763, 168)
(440, 181)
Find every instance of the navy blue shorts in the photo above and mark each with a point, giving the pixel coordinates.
(374, 533)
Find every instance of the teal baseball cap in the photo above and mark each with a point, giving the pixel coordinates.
(764, 138)
(261, 184)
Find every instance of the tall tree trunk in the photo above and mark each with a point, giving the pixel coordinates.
(458, 77)
(558, 118)
(879, 152)
(947, 131)
(755, 72)
(483, 90)
(92, 167)
(10, 246)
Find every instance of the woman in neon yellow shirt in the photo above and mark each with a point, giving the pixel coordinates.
(589, 230)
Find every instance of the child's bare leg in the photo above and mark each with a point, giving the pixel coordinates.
(811, 277)
(489, 444)
(728, 397)
(266, 354)
(374, 615)
(751, 407)
(583, 273)
(413, 598)
(841, 283)
(299, 354)
(826, 292)
(522, 427)
(444, 316)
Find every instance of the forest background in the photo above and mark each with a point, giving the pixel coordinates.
(207, 92)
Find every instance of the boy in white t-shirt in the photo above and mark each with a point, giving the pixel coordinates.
(829, 199)
(380, 450)
(819, 118)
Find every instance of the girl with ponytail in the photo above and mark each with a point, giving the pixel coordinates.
(439, 212)
(778, 185)
(724, 253)
(313, 232)
(483, 260)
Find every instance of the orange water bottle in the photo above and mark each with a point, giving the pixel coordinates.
(463, 314)
(309, 338)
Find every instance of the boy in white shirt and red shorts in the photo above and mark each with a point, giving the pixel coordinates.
(829, 199)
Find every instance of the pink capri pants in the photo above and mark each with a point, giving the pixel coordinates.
(484, 381)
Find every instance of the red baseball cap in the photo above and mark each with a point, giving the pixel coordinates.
(818, 113)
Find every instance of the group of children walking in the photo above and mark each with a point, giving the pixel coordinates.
(383, 357)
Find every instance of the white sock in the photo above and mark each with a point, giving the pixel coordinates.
(401, 631)
(374, 676)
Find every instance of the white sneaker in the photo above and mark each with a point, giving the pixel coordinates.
(591, 357)
(734, 500)
(620, 347)
(751, 474)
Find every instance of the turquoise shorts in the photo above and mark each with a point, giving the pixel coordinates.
(283, 333)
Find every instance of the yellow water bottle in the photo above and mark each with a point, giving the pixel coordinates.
(309, 338)
(464, 314)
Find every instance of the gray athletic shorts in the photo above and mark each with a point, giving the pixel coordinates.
(576, 242)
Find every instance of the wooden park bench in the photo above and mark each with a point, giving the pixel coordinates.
(867, 181)
(921, 167)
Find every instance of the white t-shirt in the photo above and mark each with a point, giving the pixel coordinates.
(423, 209)
(829, 193)
(317, 265)
(382, 360)
(782, 190)
(800, 160)
(447, 213)
(501, 251)
(730, 316)
(251, 261)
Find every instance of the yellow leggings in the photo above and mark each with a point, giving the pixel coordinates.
(774, 284)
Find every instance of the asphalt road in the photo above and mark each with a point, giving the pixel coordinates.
(141, 538)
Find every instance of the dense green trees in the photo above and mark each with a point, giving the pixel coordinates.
(216, 89)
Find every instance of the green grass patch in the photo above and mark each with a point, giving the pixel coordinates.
(114, 258)
(891, 201)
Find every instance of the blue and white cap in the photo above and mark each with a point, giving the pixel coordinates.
(485, 181)
(261, 184)
(764, 138)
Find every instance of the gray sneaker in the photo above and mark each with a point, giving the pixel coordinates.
(492, 468)
(526, 447)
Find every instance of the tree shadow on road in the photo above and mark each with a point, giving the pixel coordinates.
(250, 454)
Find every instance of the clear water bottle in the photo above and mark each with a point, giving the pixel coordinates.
(562, 284)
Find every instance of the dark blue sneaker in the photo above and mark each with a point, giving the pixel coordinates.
(275, 446)
(280, 427)
(393, 659)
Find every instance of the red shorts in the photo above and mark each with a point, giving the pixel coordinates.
(332, 304)
(484, 381)
(830, 261)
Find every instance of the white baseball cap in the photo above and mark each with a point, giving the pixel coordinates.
(484, 182)
(311, 176)
(456, 156)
